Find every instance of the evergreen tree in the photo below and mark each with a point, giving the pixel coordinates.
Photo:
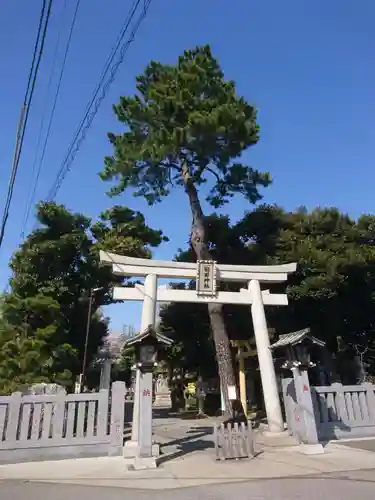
(332, 292)
(187, 127)
(44, 317)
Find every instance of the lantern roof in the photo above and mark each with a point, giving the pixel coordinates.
(294, 338)
(149, 333)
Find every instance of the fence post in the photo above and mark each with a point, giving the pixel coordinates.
(341, 410)
(305, 406)
(13, 417)
(58, 415)
(102, 415)
(370, 396)
(117, 418)
(288, 390)
(216, 441)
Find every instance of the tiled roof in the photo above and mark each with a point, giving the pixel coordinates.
(296, 338)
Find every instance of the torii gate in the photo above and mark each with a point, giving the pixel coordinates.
(207, 273)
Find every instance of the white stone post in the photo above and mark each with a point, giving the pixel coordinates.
(135, 421)
(305, 405)
(105, 374)
(266, 365)
(148, 318)
(149, 302)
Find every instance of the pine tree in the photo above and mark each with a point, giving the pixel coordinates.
(186, 127)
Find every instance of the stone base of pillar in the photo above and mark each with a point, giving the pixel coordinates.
(163, 400)
(268, 433)
(131, 450)
(143, 463)
(311, 449)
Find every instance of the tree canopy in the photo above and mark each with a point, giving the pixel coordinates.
(332, 291)
(185, 120)
(333, 288)
(44, 316)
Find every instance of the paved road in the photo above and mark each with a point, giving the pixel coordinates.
(361, 444)
(360, 484)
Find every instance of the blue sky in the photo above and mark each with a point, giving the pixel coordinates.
(307, 66)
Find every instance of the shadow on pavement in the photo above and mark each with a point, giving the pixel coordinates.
(186, 448)
(192, 442)
(164, 413)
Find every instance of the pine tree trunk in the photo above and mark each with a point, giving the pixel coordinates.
(215, 311)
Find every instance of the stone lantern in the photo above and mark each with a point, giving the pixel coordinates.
(299, 410)
(146, 344)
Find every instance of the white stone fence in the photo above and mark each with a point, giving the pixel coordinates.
(341, 411)
(39, 427)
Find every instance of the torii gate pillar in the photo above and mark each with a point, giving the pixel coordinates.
(266, 365)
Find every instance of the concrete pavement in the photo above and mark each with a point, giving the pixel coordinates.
(188, 461)
(194, 469)
(336, 486)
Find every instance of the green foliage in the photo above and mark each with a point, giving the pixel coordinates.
(123, 231)
(122, 369)
(193, 350)
(333, 290)
(44, 317)
(26, 330)
(185, 119)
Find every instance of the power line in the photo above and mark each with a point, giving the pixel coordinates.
(35, 50)
(26, 109)
(20, 126)
(81, 129)
(52, 114)
(44, 114)
(96, 100)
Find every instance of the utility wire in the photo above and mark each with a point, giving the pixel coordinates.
(31, 198)
(97, 99)
(73, 149)
(41, 128)
(110, 58)
(20, 124)
(26, 109)
(35, 51)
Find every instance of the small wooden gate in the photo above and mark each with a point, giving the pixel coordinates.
(234, 441)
